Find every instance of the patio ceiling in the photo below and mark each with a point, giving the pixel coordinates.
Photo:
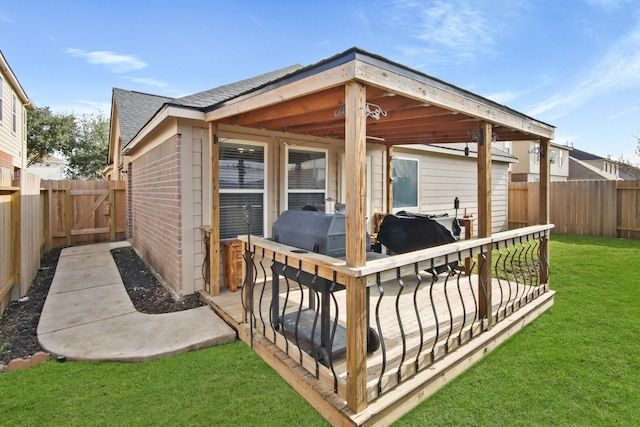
(414, 108)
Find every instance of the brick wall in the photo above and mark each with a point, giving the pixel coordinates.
(156, 210)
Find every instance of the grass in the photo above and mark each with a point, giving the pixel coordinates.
(222, 386)
(578, 364)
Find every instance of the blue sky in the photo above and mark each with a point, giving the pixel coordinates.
(574, 64)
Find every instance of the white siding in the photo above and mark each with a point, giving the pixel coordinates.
(443, 178)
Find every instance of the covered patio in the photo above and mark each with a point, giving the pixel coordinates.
(398, 326)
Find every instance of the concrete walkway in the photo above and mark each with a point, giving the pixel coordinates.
(88, 315)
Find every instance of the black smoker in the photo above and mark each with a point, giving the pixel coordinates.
(321, 233)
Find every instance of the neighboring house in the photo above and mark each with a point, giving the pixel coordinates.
(527, 169)
(628, 172)
(14, 103)
(588, 166)
(49, 168)
(279, 141)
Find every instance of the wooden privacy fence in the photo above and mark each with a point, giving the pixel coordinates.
(21, 230)
(80, 212)
(595, 208)
(37, 216)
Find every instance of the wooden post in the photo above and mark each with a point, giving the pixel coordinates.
(484, 219)
(467, 223)
(16, 240)
(68, 216)
(46, 209)
(112, 210)
(214, 198)
(389, 179)
(355, 150)
(545, 178)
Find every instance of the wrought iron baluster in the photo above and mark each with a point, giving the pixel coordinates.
(474, 297)
(464, 307)
(415, 306)
(497, 275)
(434, 279)
(446, 297)
(400, 325)
(379, 328)
(262, 291)
(297, 324)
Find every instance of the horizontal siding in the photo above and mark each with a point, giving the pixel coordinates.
(443, 178)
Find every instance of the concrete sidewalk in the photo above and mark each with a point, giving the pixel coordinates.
(88, 315)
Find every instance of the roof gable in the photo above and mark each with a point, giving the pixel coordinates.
(134, 110)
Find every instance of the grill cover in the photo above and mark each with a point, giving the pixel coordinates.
(406, 232)
(312, 231)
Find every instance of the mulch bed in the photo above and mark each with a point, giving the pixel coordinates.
(18, 324)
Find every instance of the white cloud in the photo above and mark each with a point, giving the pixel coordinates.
(111, 61)
(608, 4)
(618, 70)
(150, 81)
(446, 30)
(81, 107)
(623, 113)
(503, 97)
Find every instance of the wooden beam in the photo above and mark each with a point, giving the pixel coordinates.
(484, 219)
(441, 97)
(355, 152)
(263, 98)
(214, 198)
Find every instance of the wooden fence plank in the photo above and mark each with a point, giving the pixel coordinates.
(597, 208)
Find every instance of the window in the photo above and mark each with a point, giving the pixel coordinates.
(306, 178)
(405, 183)
(552, 156)
(15, 114)
(536, 154)
(242, 181)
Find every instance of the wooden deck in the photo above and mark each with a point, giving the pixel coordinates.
(441, 345)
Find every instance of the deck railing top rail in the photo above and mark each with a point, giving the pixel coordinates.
(336, 269)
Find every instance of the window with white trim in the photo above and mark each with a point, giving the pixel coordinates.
(15, 114)
(405, 183)
(306, 177)
(242, 181)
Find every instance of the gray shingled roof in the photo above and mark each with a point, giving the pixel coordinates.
(135, 109)
(214, 96)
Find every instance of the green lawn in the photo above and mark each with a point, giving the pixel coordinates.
(578, 364)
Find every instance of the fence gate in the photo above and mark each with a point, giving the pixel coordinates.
(85, 211)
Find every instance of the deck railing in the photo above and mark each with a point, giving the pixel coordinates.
(416, 308)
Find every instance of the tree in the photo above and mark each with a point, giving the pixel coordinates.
(48, 134)
(88, 154)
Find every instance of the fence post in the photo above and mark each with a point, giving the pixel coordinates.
(15, 242)
(112, 211)
(68, 217)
